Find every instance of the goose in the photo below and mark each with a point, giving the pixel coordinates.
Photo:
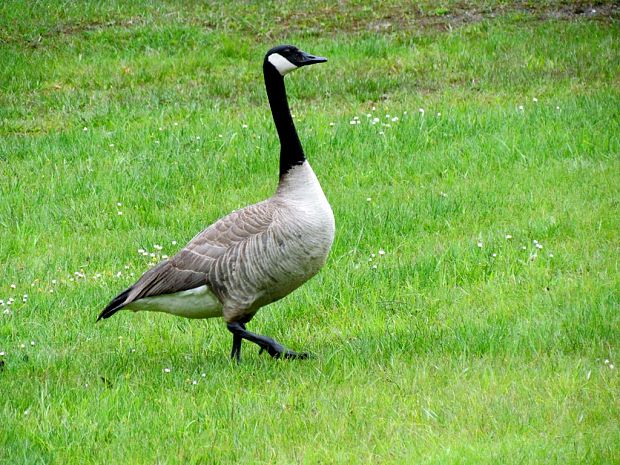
(253, 256)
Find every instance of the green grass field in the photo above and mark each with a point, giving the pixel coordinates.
(469, 310)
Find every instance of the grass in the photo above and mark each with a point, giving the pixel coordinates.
(446, 352)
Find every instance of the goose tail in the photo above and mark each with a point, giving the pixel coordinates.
(115, 305)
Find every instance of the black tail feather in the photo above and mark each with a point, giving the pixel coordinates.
(117, 303)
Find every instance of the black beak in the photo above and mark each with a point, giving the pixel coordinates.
(308, 59)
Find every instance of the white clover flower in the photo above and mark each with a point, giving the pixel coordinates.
(395, 119)
(2, 353)
(374, 108)
(368, 115)
(204, 375)
(557, 108)
(508, 236)
(165, 257)
(22, 346)
(388, 116)
(161, 129)
(372, 255)
(111, 145)
(479, 244)
(118, 204)
(119, 213)
(167, 370)
(438, 114)
(245, 126)
(523, 247)
(352, 122)
(140, 251)
(32, 343)
(332, 124)
(611, 366)
(157, 247)
(405, 112)
(494, 255)
(176, 124)
(194, 382)
(520, 107)
(535, 241)
(370, 259)
(85, 129)
(381, 252)
(174, 242)
(539, 246)
(13, 286)
(368, 199)
(421, 110)
(381, 133)
(606, 361)
(550, 255)
(157, 142)
(534, 99)
(374, 267)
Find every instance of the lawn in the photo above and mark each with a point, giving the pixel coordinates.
(469, 312)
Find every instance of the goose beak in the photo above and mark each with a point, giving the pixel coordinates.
(308, 59)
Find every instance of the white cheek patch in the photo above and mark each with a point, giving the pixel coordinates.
(281, 64)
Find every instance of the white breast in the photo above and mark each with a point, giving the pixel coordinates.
(199, 302)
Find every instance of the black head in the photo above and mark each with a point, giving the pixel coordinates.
(286, 58)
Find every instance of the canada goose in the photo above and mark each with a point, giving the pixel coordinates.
(253, 256)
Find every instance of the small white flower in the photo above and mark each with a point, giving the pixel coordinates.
(119, 274)
(2, 353)
(479, 244)
(611, 365)
(381, 133)
(370, 259)
(421, 110)
(352, 122)
(176, 124)
(152, 254)
(220, 136)
(194, 382)
(508, 236)
(557, 108)
(374, 108)
(111, 145)
(140, 251)
(85, 129)
(374, 267)
(161, 129)
(244, 126)
(535, 241)
(438, 114)
(443, 194)
(521, 107)
(119, 213)
(356, 117)
(494, 255)
(197, 137)
(126, 267)
(22, 346)
(539, 246)
(32, 343)
(523, 247)
(204, 375)
(534, 99)
(54, 281)
(368, 199)
(166, 370)
(550, 255)
(606, 361)
(165, 257)
(145, 254)
(13, 286)
(332, 124)
(174, 242)
(381, 252)
(405, 112)
(368, 115)
(118, 204)
(158, 247)
(395, 119)
(157, 142)
(388, 116)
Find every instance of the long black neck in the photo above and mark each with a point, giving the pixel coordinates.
(291, 152)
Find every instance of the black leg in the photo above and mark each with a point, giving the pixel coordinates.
(265, 343)
(236, 347)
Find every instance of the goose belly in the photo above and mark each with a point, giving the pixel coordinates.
(199, 302)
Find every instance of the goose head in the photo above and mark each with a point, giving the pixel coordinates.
(286, 58)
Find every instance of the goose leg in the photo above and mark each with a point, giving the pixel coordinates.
(265, 343)
(236, 347)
